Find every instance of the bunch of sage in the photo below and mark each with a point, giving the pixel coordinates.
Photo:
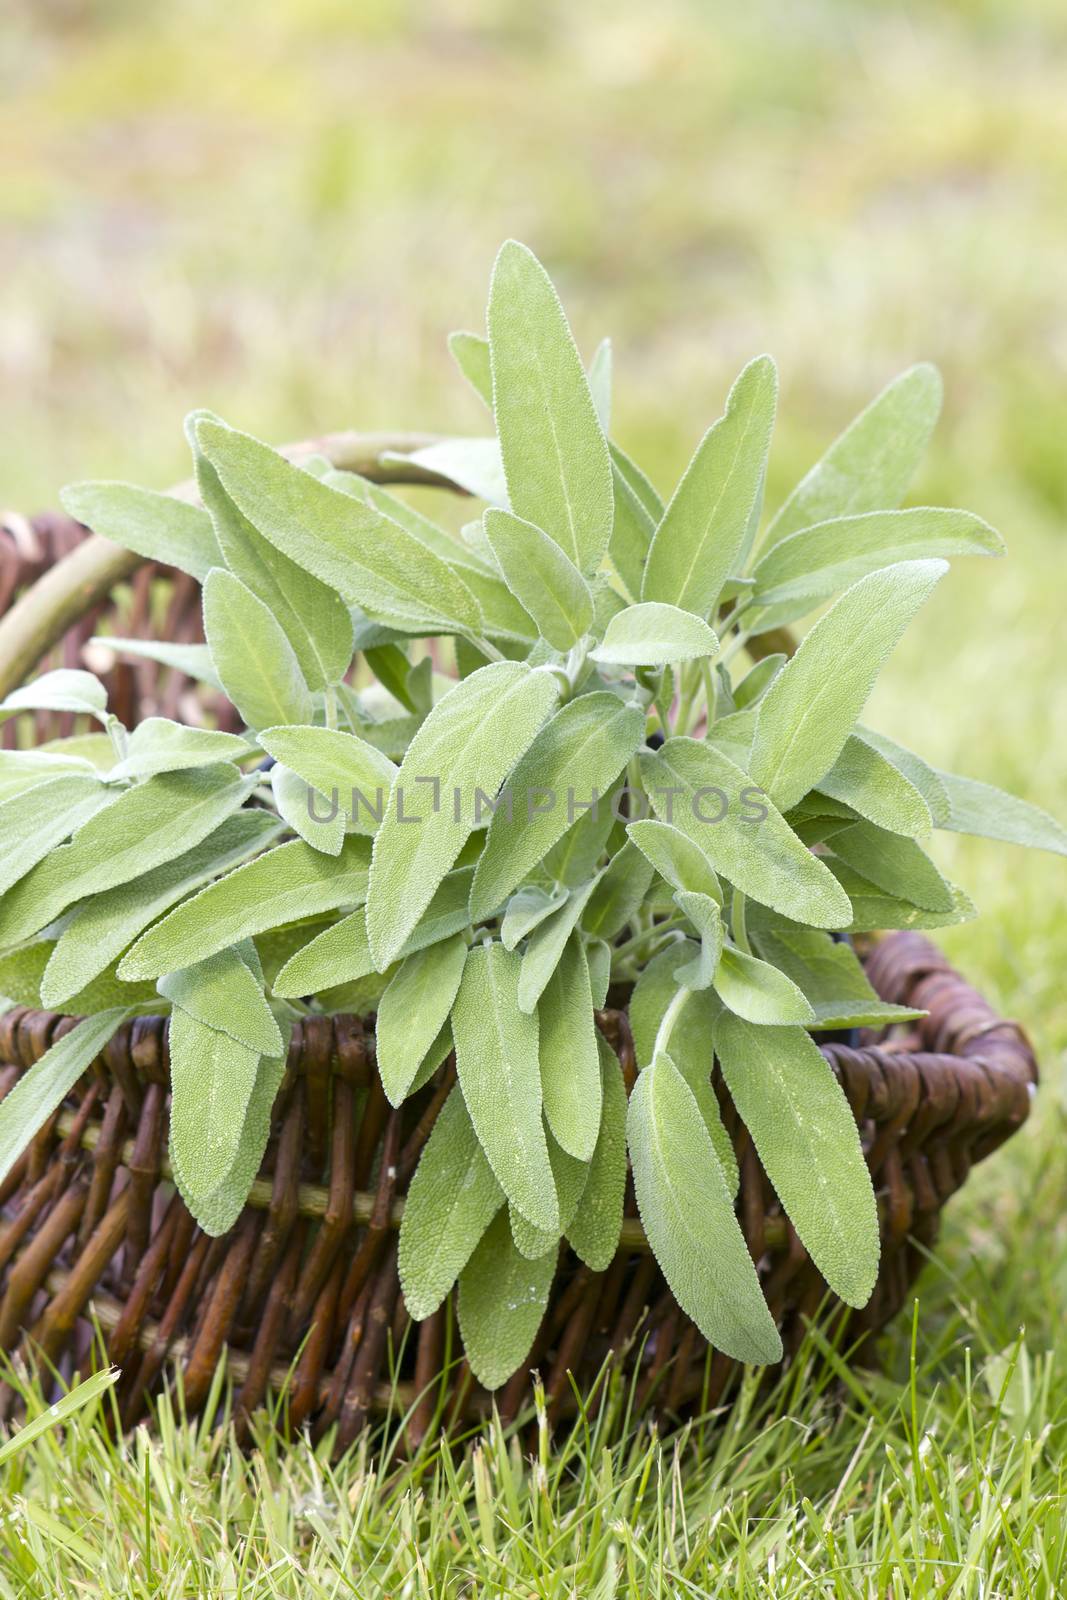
(511, 770)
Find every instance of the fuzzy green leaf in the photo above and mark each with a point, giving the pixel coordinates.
(807, 1140)
(701, 534)
(689, 1219)
(499, 1073)
(313, 616)
(631, 534)
(764, 859)
(26, 1108)
(341, 954)
(811, 707)
(308, 812)
(65, 689)
(893, 864)
(155, 526)
(981, 809)
(217, 1210)
(541, 577)
(212, 1077)
(870, 465)
(830, 977)
(675, 857)
(574, 760)
(570, 1177)
(502, 1298)
(570, 1066)
(349, 546)
(348, 771)
(470, 742)
(470, 352)
(101, 928)
(652, 635)
(866, 781)
(285, 884)
(758, 992)
(192, 660)
(918, 773)
(159, 745)
(816, 562)
(145, 827)
(527, 910)
(593, 1233)
(757, 681)
(255, 662)
(874, 910)
(452, 1200)
(704, 913)
(34, 822)
(224, 994)
(413, 1010)
(555, 455)
(617, 893)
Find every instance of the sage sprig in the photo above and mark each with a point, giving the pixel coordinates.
(510, 771)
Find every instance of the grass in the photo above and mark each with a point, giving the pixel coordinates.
(280, 212)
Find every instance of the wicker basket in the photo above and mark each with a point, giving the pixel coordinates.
(93, 1236)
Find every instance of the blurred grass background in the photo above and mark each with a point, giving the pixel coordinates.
(280, 212)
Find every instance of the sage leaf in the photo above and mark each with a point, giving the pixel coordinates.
(65, 689)
(689, 1219)
(830, 977)
(763, 858)
(21, 770)
(256, 664)
(570, 1065)
(413, 1010)
(308, 812)
(702, 531)
(34, 822)
(652, 635)
(499, 1073)
(811, 707)
(26, 1108)
(469, 743)
(287, 883)
(600, 369)
(541, 577)
(870, 465)
(191, 660)
(598, 958)
(144, 827)
(224, 994)
(617, 893)
(981, 809)
(502, 1298)
(217, 1210)
(593, 1232)
(349, 546)
(675, 857)
(452, 1199)
(757, 681)
(159, 745)
(647, 496)
(473, 465)
(555, 455)
(570, 1177)
(816, 562)
(874, 910)
(704, 913)
(894, 864)
(808, 1143)
(526, 910)
(347, 770)
(212, 1078)
(631, 534)
(341, 954)
(100, 929)
(313, 616)
(917, 771)
(758, 992)
(470, 352)
(574, 760)
(158, 527)
(866, 781)
(22, 972)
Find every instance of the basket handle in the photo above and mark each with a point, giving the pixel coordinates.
(82, 579)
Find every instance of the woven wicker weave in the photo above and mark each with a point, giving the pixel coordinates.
(93, 1234)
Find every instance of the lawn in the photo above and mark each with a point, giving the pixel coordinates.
(280, 212)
